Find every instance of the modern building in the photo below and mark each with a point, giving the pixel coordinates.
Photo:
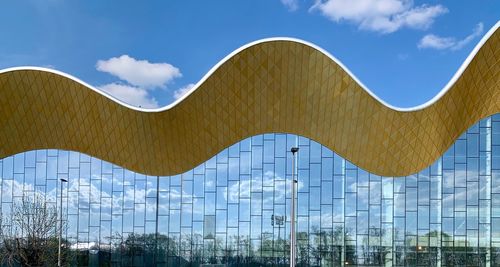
(207, 179)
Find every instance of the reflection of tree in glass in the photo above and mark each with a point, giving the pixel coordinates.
(145, 248)
(28, 235)
(323, 247)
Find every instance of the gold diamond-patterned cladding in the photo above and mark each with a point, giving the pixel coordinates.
(275, 86)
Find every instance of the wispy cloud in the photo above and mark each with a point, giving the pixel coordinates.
(291, 5)
(49, 66)
(139, 72)
(441, 43)
(403, 56)
(183, 90)
(130, 94)
(384, 16)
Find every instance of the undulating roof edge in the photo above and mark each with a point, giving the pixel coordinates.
(450, 83)
(297, 88)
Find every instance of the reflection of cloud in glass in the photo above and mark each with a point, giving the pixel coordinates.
(105, 201)
(235, 191)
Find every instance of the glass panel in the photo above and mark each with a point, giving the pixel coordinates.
(234, 208)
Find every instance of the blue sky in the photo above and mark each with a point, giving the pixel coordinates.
(148, 54)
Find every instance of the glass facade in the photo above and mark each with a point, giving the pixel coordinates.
(229, 209)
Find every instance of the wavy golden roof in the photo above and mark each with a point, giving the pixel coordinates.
(271, 86)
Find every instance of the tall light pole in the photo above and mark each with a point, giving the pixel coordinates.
(60, 223)
(293, 241)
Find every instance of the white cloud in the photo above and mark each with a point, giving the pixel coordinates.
(440, 43)
(139, 78)
(132, 95)
(433, 41)
(140, 73)
(183, 90)
(292, 5)
(383, 16)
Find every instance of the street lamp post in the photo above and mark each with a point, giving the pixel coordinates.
(279, 221)
(60, 223)
(293, 241)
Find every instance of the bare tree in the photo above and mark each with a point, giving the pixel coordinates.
(28, 235)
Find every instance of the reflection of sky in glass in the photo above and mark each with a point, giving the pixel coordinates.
(228, 201)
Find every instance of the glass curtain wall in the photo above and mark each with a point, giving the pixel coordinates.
(234, 208)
